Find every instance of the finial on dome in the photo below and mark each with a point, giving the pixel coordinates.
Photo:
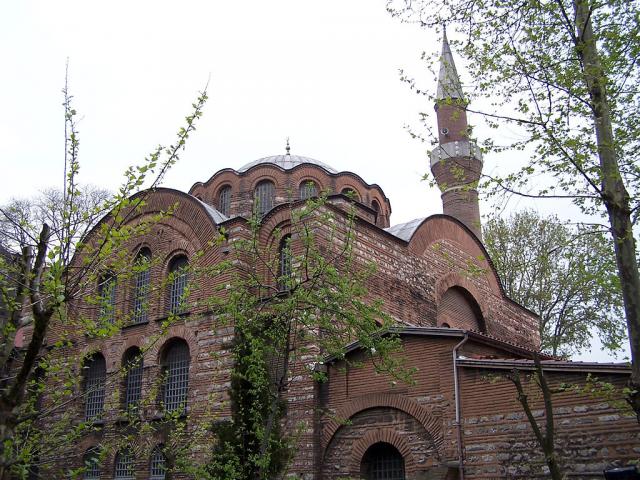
(288, 147)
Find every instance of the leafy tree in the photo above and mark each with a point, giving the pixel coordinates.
(564, 74)
(565, 275)
(38, 280)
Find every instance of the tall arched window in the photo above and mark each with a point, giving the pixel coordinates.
(224, 200)
(95, 375)
(178, 276)
(284, 263)
(158, 464)
(308, 189)
(91, 464)
(133, 368)
(107, 298)
(382, 461)
(264, 197)
(175, 368)
(142, 269)
(124, 465)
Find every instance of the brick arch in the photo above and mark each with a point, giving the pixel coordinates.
(385, 435)
(454, 279)
(152, 356)
(130, 342)
(263, 176)
(278, 217)
(359, 191)
(100, 348)
(399, 402)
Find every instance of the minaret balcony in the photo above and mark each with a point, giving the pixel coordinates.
(457, 149)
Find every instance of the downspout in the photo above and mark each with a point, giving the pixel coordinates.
(456, 394)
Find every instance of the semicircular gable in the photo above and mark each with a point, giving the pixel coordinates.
(444, 227)
(188, 212)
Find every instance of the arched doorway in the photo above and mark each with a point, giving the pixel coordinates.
(382, 461)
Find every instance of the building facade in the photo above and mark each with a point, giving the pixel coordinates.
(460, 418)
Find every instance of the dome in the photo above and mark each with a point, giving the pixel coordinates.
(286, 162)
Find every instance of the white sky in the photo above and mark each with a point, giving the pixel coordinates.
(324, 73)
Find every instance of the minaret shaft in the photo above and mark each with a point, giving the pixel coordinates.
(456, 163)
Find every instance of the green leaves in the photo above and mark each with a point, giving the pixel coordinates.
(565, 274)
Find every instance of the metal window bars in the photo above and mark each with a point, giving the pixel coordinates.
(95, 378)
(107, 298)
(224, 200)
(133, 379)
(124, 465)
(141, 287)
(176, 382)
(308, 189)
(178, 277)
(158, 465)
(91, 463)
(264, 197)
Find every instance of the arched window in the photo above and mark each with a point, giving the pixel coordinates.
(124, 465)
(264, 197)
(284, 263)
(91, 464)
(133, 367)
(459, 309)
(142, 269)
(178, 276)
(95, 375)
(382, 461)
(308, 189)
(175, 368)
(158, 464)
(351, 193)
(224, 200)
(375, 206)
(107, 298)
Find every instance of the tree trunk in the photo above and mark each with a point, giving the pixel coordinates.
(614, 193)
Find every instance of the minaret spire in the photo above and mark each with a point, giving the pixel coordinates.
(456, 163)
(449, 86)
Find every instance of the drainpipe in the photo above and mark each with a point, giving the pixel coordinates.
(456, 394)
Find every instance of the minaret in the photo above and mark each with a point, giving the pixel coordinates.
(456, 163)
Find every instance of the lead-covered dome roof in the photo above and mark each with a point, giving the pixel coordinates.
(287, 162)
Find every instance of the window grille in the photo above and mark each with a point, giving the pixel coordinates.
(224, 200)
(124, 465)
(141, 286)
(285, 266)
(91, 464)
(264, 197)
(176, 371)
(133, 366)
(178, 276)
(107, 298)
(308, 189)
(158, 465)
(95, 377)
(383, 461)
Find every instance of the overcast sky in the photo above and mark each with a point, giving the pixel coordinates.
(324, 73)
